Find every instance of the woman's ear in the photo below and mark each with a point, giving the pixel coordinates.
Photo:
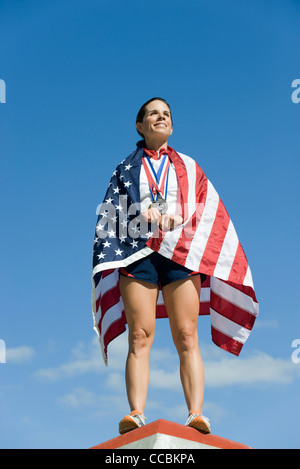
(139, 128)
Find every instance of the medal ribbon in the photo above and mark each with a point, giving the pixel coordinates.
(153, 185)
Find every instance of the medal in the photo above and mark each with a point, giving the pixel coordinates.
(161, 204)
(162, 175)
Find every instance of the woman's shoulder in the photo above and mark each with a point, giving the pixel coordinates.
(188, 160)
(184, 156)
(133, 158)
(191, 164)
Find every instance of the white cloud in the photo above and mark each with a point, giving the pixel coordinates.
(259, 368)
(115, 381)
(20, 354)
(162, 379)
(79, 397)
(96, 405)
(165, 397)
(266, 324)
(84, 359)
(87, 359)
(221, 369)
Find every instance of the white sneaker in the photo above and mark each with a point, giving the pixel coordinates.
(132, 421)
(198, 421)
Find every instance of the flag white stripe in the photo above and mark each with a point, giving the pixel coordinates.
(160, 300)
(234, 296)
(229, 328)
(169, 242)
(112, 315)
(106, 283)
(227, 254)
(204, 228)
(123, 262)
(191, 169)
(248, 281)
(171, 238)
(205, 294)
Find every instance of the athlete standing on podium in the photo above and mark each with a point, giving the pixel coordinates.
(141, 281)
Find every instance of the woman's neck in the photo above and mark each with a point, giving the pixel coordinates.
(156, 146)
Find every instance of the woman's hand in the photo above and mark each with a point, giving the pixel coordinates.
(169, 222)
(166, 222)
(151, 215)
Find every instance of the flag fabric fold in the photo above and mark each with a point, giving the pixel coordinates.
(206, 242)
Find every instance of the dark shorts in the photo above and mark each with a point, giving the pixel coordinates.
(158, 270)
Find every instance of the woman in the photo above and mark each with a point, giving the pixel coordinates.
(190, 239)
(181, 293)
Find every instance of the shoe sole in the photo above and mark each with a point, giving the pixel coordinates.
(127, 424)
(199, 424)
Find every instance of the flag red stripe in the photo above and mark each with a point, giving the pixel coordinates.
(109, 299)
(161, 311)
(201, 184)
(245, 289)
(105, 273)
(183, 180)
(239, 265)
(182, 248)
(204, 308)
(225, 342)
(98, 303)
(215, 240)
(231, 311)
(115, 329)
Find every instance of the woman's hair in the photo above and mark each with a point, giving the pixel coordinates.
(141, 114)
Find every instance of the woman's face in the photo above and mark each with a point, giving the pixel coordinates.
(157, 122)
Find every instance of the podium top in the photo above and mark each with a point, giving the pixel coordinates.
(164, 434)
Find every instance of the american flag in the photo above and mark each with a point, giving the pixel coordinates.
(206, 242)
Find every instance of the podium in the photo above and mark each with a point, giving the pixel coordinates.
(163, 434)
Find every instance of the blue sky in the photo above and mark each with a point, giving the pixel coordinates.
(76, 74)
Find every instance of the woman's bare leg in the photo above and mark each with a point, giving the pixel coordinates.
(140, 309)
(182, 302)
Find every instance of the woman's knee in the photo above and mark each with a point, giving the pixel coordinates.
(186, 339)
(140, 340)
